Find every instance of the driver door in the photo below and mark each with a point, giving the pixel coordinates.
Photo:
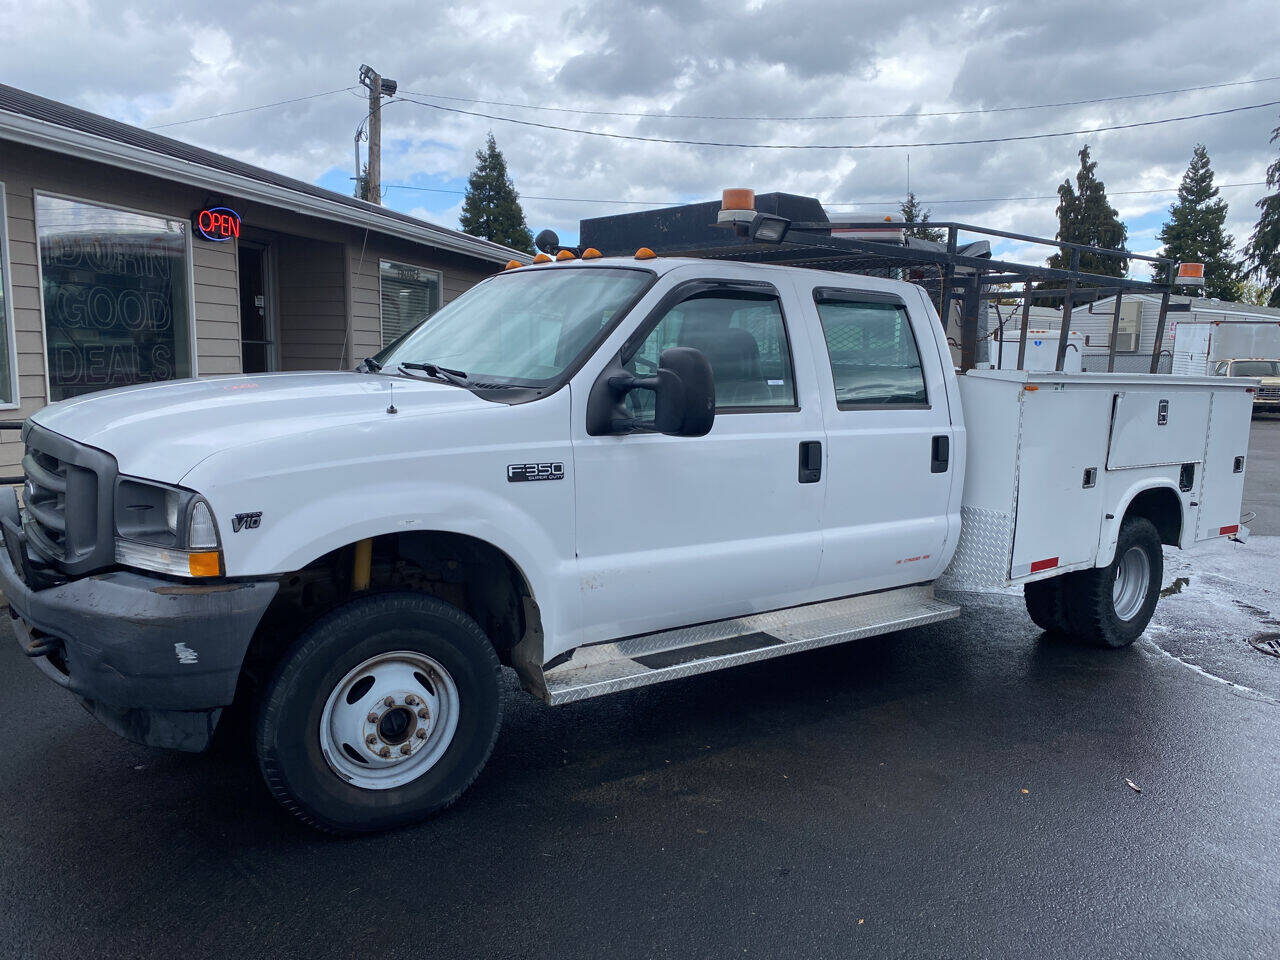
(679, 530)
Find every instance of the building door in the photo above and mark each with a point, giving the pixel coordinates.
(257, 310)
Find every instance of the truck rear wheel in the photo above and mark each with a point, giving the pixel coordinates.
(1046, 604)
(381, 714)
(1110, 606)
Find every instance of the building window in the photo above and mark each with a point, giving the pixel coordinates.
(409, 295)
(8, 360)
(116, 289)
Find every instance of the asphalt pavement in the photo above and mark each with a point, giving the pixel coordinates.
(960, 790)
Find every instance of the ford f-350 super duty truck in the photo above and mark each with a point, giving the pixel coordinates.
(601, 472)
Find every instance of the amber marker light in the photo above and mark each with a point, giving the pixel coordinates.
(205, 564)
(644, 253)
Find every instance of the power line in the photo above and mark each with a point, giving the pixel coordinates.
(839, 146)
(848, 116)
(843, 203)
(1046, 196)
(261, 106)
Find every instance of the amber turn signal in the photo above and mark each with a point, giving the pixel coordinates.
(205, 564)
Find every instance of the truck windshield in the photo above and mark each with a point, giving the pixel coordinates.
(1256, 368)
(524, 328)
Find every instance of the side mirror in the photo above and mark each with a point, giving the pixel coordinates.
(684, 397)
(685, 401)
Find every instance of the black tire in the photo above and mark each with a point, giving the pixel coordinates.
(288, 725)
(1046, 604)
(1089, 595)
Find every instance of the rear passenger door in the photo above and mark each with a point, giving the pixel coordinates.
(890, 443)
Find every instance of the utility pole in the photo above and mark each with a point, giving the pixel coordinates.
(378, 88)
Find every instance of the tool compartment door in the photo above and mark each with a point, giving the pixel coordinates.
(1222, 487)
(1156, 426)
(1058, 515)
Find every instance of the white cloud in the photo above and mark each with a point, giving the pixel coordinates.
(152, 62)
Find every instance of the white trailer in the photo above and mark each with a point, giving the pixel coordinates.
(1201, 343)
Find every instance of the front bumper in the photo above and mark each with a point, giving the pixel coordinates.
(154, 660)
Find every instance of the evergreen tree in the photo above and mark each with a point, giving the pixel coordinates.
(917, 219)
(1262, 253)
(362, 184)
(1196, 230)
(1086, 216)
(492, 206)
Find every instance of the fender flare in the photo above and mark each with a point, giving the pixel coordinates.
(1109, 533)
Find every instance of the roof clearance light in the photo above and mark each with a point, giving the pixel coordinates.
(564, 255)
(512, 264)
(1190, 275)
(591, 253)
(542, 258)
(644, 253)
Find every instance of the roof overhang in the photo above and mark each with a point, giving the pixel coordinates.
(59, 139)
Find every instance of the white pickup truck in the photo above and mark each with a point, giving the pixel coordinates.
(602, 472)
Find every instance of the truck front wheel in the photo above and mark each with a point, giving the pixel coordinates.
(1110, 606)
(382, 713)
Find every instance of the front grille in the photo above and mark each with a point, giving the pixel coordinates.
(45, 497)
(68, 500)
(1269, 393)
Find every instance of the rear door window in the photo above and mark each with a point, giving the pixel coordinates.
(874, 358)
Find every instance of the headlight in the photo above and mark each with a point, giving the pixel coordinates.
(165, 529)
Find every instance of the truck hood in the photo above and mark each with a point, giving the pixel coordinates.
(160, 431)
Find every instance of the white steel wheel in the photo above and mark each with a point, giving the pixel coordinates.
(389, 720)
(1133, 573)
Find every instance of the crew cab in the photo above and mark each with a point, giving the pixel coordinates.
(602, 472)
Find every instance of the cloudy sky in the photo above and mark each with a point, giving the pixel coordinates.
(164, 63)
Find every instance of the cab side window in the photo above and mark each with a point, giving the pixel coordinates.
(744, 338)
(874, 358)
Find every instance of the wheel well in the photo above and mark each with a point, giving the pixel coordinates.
(471, 574)
(1163, 508)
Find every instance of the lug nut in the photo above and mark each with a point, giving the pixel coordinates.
(421, 734)
(384, 752)
(406, 749)
(371, 740)
(390, 701)
(422, 713)
(411, 700)
(372, 718)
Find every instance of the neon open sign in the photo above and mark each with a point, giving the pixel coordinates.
(218, 223)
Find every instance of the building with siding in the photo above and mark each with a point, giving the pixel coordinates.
(127, 257)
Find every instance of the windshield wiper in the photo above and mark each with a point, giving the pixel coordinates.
(371, 365)
(436, 372)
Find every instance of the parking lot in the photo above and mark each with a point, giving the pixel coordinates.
(956, 790)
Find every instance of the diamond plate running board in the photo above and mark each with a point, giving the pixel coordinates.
(603, 668)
